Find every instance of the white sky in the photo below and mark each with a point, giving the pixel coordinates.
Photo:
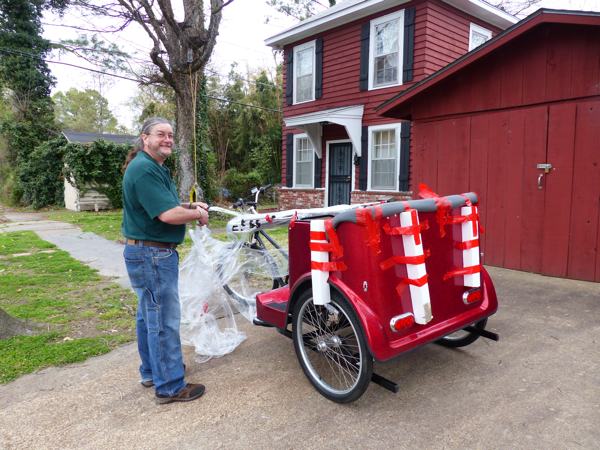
(241, 39)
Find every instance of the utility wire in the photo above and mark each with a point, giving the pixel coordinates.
(219, 99)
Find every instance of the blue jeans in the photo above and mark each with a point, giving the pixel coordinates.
(154, 274)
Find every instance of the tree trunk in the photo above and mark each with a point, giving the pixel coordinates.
(184, 117)
(9, 326)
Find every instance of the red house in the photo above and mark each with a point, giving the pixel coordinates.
(518, 121)
(339, 66)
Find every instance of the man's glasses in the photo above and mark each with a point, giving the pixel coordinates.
(162, 135)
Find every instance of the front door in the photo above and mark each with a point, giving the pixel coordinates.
(340, 173)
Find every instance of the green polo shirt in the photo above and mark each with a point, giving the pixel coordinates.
(148, 191)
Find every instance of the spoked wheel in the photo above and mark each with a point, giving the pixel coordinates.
(253, 270)
(331, 347)
(462, 338)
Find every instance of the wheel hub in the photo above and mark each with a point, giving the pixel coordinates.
(321, 345)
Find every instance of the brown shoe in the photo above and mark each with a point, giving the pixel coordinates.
(187, 394)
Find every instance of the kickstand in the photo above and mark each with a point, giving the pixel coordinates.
(385, 383)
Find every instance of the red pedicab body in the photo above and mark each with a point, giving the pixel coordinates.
(378, 292)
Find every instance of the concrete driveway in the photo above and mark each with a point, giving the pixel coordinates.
(538, 388)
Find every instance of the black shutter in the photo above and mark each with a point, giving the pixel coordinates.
(319, 68)
(289, 158)
(318, 165)
(365, 33)
(364, 159)
(289, 78)
(409, 44)
(404, 155)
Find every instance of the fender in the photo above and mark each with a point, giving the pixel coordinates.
(371, 326)
(374, 332)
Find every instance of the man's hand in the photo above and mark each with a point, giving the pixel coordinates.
(203, 213)
(200, 204)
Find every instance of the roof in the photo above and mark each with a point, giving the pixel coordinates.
(390, 107)
(86, 138)
(349, 10)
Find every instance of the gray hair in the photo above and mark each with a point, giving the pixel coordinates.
(138, 144)
(147, 127)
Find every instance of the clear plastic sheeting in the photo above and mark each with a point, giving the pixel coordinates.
(216, 279)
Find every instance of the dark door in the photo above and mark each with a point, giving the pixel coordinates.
(340, 173)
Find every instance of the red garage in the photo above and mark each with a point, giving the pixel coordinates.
(518, 121)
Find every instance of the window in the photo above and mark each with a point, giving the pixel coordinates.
(384, 157)
(387, 38)
(477, 36)
(303, 162)
(304, 72)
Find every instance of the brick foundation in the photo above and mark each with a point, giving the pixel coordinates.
(315, 198)
(374, 196)
(301, 198)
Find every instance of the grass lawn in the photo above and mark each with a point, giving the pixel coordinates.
(79, 313)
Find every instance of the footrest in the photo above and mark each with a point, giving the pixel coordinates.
(271, 307)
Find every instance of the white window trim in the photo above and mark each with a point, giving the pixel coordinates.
(389, 126)
(353, 170)
(295, 185)
(298, 49)
(397, 15)
(480, 30)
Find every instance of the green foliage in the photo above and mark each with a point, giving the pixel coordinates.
(25, 79)
(96, 51)
(154, 101)
(83, 315)
(247, 138)
(97, 166)
(240, 183)
(41, 175)
(85, 111)
(203, 149)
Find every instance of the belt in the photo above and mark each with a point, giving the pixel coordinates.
(150, 243)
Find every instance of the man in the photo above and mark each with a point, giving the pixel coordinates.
(153, 225)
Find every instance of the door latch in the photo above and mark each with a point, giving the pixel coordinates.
(546, 167)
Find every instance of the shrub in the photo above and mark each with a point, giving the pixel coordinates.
(239, 184)
(97, 166)
(41, 175)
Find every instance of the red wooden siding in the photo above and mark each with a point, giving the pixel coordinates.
(554, 230)
(550, 63)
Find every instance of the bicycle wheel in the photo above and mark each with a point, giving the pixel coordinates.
(461, 338)
(251, 269)
(331, 348)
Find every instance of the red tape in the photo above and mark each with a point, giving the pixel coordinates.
(406, 281)
(459, 272)
(414, 230)
(337, 251)
(328, 266)
(364, 217)
(317, 236)
(320, 247)
(467, 245)
(395, 260)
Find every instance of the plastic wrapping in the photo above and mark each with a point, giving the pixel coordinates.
(216, 279)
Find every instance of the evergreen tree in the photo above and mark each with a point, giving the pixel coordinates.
(25, 78)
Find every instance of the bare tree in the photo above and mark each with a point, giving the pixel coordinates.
(180, 51)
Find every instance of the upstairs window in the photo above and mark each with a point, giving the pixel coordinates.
(384, 152)
(478, 35)
(387, 40)
(303, 162)
(304, 72)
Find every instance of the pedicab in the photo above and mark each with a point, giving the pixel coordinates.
(372, 282)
